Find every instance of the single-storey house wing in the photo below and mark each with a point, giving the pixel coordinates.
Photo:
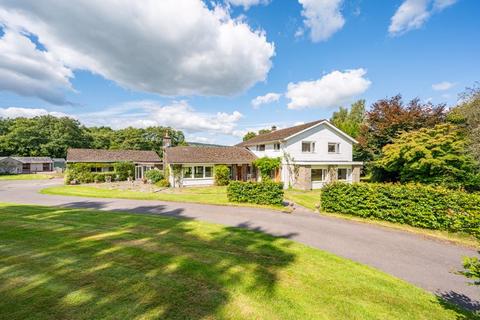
(197, 164)
(142, 159)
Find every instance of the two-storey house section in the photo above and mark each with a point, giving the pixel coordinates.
(312, 154)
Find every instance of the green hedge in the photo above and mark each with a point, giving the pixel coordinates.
(82, 172)
(154, 175)
(267, 192)
(222, 175)
(413, 204)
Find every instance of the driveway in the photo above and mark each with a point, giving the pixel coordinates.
(425, 262)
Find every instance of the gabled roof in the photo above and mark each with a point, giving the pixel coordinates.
(33, 159)
(214, 155)
(100, 155)
(283, 134)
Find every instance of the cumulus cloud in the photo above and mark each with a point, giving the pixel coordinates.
(13, 112)
(178, 114)
(333, 89)
(30, 72)
(169, 47)
(265, 99)
(322, 17)
(246, 4)
(412, 14)
(443, 86)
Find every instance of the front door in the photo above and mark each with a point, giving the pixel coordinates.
(239, 173)
(138, 172)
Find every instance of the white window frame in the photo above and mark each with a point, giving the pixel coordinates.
(275, 147)
(348, 175)
(337, 147)
(312, 146)
(192, 170)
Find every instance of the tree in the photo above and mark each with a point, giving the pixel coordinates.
(267, 166)
(430, 155)
(387, 118)
(249, 135)
(349, 121)
(467, 115)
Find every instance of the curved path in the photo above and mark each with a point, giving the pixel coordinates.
(425, 262)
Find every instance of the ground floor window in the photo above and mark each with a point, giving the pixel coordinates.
(319, 174)
(197, 172)
(343, 174)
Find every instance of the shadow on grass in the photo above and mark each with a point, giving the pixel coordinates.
(72, 263)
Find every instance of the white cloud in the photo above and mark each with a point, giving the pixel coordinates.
(246, 4)
(322, 17)
(169, 47)
(13, 112)
(265, 99)
(333, 89)
(412, 14)
(443, 86)
(30, 72)
(178, 114)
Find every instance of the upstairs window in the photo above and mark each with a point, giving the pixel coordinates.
(333, 147)
(260, 147)
(308, 146)
(276, 146)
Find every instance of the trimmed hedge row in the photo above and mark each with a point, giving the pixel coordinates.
(266, 192)
(413, 204)
(82, 172)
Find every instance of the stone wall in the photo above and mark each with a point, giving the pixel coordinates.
(304, 178)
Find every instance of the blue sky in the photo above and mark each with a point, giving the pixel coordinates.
(197, 67)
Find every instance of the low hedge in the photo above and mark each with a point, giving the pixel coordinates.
(413, 204)
(154, 175)
(267, 192)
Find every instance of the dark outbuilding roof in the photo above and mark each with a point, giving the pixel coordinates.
(278, 134)
(99, 155)
(214, 155)
(33, 159)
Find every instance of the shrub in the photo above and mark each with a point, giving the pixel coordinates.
(102, 176)
(413, 204)
(266, 166)
(472, 269)
(265, 192)
(154, 175)
(163, 183)
(222, 175)
(124, 170)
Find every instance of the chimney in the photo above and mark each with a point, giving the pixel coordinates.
(167, 141)
(274, 128)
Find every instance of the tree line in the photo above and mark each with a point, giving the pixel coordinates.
(52, 136)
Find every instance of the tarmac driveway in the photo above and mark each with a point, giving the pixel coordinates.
(425, 262)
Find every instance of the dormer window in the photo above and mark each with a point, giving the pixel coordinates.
(276, 146)
(260, 147)
(333, 147)
(308, 146)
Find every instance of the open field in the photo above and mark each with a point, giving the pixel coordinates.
(86, 264)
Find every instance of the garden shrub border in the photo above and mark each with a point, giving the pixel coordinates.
(266, 192)
(412, 204)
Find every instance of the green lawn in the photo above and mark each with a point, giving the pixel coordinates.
(84, 264)
(33, 176)
(207, 195)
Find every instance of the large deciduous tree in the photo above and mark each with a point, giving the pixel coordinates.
(387, 118)
(350, 121)
(435, 155)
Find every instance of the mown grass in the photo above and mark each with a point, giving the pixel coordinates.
(30, 176)
(311, 200)
(206, 195)
(85, 264)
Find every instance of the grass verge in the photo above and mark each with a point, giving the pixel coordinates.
(205, 195)
(86, 264)
(311, 200)
(30, 176)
